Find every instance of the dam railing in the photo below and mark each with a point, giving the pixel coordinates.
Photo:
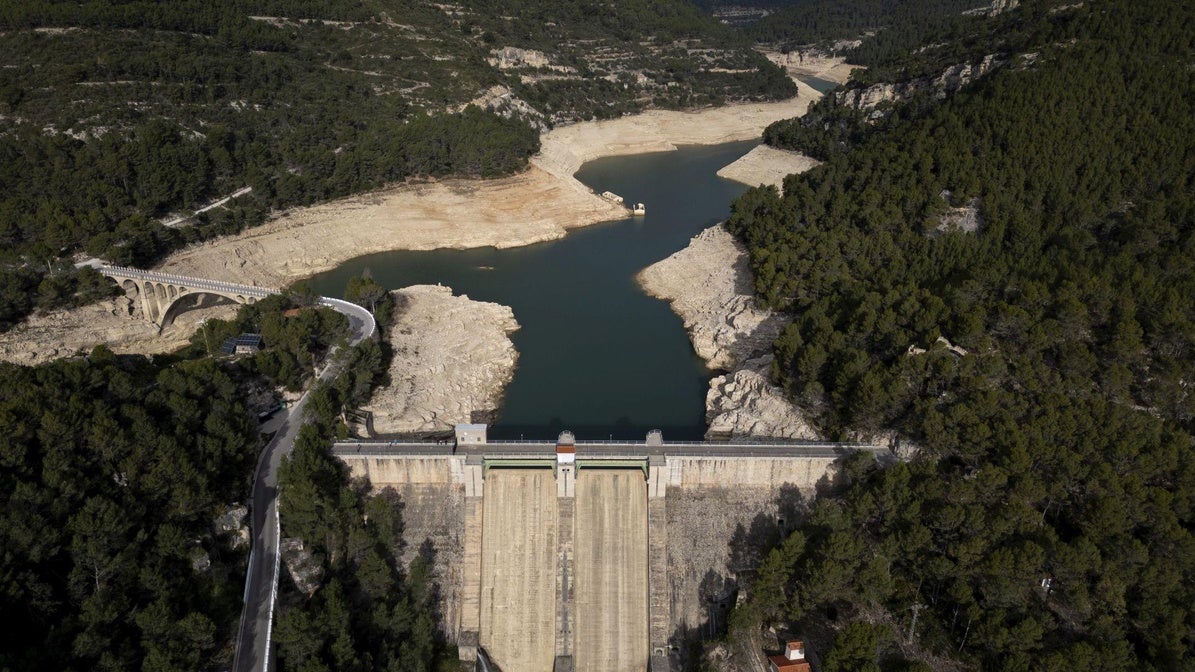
(605, 449)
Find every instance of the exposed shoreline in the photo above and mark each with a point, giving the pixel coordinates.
(542, 203)
(767, 166)
(453, 358)
(708, 284)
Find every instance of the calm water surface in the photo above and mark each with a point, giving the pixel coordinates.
(817, 83)
(596, 355)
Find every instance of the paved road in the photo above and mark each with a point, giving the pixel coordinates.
(261, 583)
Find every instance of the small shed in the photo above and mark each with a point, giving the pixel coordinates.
(566, 449)
(793, 659)
(467, 434)
(245, 344)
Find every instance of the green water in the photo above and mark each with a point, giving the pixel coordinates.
(596, 355)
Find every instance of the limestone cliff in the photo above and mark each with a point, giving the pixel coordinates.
(709, 285)
(452, 360)
(942, 85)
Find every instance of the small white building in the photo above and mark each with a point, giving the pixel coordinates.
(793, 659)
(470, 435)
(566, 449)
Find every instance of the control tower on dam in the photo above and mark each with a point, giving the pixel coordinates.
(573, 556)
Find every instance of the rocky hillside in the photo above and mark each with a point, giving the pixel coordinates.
(121, 123)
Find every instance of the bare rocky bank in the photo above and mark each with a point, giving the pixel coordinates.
(115, 322)
(766, 165)
(708, 284)
(453, 358)
(542, 203)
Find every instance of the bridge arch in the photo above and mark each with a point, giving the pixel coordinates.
(192, 300)
(164, 296)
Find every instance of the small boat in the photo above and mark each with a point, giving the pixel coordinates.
(639, 210)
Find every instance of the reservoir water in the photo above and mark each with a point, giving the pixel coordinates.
(817, 83)
(596, 355)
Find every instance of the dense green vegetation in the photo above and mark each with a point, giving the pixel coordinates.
(1060, 445)
(116, 115)
(834, 124)
(295, 337)
(369, 613)
(112, 471)
(24, 289)
(886, 28)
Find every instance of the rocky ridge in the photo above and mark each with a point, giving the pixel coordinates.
(708, 284)
(942, 85)
(452, 360)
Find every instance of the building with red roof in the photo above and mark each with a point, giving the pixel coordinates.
(792, 660)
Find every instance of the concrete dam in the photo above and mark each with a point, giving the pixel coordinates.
(594, 557)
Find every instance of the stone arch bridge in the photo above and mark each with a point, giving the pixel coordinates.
(161, 294)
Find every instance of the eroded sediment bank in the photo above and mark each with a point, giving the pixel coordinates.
(453, 358)
(542, 203)
(708, 284)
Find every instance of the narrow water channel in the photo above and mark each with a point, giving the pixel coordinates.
(596, 355)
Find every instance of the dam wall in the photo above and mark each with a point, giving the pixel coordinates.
(727, 471)
(736, 472)
(612, 571)
(518, 569)
(392, 470)
(603, 557)
(442, 519)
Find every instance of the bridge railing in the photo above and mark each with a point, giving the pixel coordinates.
(155, 276)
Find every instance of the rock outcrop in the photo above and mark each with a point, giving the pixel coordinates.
(502, 101)
(452, 360)
(746, 404)
(513, 57)
(233, 526)
(305, 569)
(944, 84)
(997, 7)
(709, 285)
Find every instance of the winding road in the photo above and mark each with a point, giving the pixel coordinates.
(261, 583)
